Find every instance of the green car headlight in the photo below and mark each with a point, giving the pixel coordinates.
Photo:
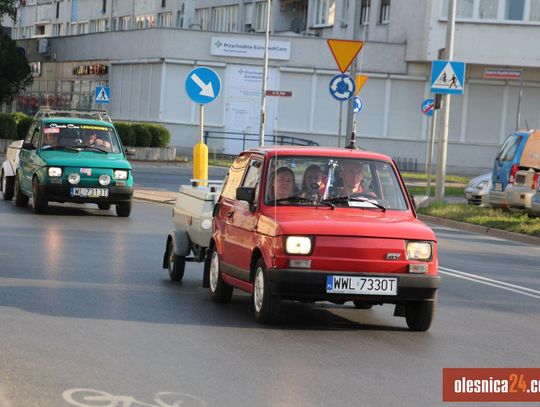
(120, 174)
(54, 172)
(419, 250)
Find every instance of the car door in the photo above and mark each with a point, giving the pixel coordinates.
(28, 158)
(504, 160)
(242, 223)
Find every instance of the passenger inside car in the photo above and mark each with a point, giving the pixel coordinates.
(352, 174)
(312, 183)
(51, 139)
(93, 140)
(281, 184)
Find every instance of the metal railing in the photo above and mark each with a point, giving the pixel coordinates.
(252, 139)
(406, 164)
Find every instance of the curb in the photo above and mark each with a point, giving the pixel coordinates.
(502, 234)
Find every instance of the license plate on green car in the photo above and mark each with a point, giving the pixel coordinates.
(90, 192)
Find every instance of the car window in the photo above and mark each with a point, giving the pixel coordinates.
(310, 180)
(509, 148)
(253, 177)
(234, 177)
(35, 136)
(80, 136)
(30, 133)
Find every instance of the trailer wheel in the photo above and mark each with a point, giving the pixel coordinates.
(176, 264)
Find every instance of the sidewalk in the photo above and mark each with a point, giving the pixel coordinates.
(150, 195)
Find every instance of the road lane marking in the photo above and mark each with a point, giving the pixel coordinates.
(529, 292)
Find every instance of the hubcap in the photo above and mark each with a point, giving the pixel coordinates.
(258, 290)
(214, 271)
(171, 259)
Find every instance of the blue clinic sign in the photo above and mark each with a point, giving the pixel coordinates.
(357, 105)
(342, 87)
(103, 94)
(203, 85)
(427, 106)
(447, 77)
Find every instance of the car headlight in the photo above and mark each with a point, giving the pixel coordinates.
(104, 179)
(55, 172)
(483, 185)
(74, 178)
(120, 174)
(297, 245)
(418, 250)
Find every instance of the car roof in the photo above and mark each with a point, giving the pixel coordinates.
(75, 120)
(319, 151)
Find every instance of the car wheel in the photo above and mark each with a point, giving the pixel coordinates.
(419, 314)
(39, 202)
(123, 209)
(220, 291)
(265, 304)
(176, 264)
(362, 305)
(104, 206)
(20, 199)
(7, 187)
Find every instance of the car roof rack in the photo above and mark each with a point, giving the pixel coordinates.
(101, 115)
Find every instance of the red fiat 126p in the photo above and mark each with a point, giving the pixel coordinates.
(321, 224)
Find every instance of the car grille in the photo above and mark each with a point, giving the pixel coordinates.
(475, 200)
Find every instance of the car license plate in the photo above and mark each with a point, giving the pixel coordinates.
(90, 192)
(498, 186)
(361, 285)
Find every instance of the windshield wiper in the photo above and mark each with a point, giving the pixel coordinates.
(302, 199)
(60, 148)
(95, 148)
(348, 198)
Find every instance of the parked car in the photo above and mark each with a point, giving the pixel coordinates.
(477, 191)
(9, 168)
(321, 224)
(534, 209)
(519, 193)
(70, 159)
(518, 151)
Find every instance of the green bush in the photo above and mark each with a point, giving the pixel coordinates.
(18, 116)
(143, 138)
(8, 127)
(160, 135)
(23, 125)
(126, 133)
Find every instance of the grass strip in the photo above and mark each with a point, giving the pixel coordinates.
(448, 191)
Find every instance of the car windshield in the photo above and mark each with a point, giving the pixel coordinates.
(312, 181)
(80, 137)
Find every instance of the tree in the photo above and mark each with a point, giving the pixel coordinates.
(8, 7)
(15, 73)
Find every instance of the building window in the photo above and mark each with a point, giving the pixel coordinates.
(384, 16)
(124, 23)
(104, 6)
(535, 10)
(57, 9)
(40, 30)
(180, 17)
(164, 19)
(97, 26)
(487, 9)
(364, 11)
(82, 28)
(324, 12)
(514, 10)
(71, 29)
(202, 18)
(57, 30)
(31, 3)
(146, 21)
(163, 3)
(260, 15)
(464, 9)
(225, 18)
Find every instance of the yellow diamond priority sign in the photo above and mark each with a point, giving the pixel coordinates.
(344, 52)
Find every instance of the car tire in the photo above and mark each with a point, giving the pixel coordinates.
(7, 187)
(20, 199)
(175, 264)
(265, 304)
(220, 291)
(104, 206)
(123, 209)
(362, 305)
(419, 314)
(39, 202)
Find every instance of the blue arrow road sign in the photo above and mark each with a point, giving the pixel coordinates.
(447, 77)
(357, 105)
(427, 106)
(103, 94)
(203, 85)
(342, 87)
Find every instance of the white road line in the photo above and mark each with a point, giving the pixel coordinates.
(529, 292)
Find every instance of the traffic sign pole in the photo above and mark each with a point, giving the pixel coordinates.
(354, 70)
(431, 150)
(200, 154)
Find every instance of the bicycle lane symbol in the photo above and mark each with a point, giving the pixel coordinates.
(98, 398)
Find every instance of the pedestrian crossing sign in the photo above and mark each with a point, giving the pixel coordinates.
(103, 94)
(447, 77)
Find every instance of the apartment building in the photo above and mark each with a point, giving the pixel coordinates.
(143, 49)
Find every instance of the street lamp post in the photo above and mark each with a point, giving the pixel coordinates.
(265, 73)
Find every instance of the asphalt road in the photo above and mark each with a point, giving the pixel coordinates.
(85, 304)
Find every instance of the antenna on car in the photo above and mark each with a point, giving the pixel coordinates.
(352, 145)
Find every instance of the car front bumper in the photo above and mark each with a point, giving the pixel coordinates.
(310, 285)
(478, 197)
(61, 193)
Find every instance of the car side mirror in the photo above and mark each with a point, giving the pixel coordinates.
(28, 146)
(420, 201)
(245, 194)
(130, 152)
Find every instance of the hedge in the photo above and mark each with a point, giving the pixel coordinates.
(143, 134)
(23, 126)
(126, 133)
(160, 135)
(143, 138)
(8, 126)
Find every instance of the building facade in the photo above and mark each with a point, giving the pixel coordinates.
(144, 49)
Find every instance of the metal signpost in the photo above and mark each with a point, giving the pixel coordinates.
(342, 88)
(203, 86)
(428, 108)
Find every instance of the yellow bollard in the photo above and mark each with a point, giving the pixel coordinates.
(200, 162)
